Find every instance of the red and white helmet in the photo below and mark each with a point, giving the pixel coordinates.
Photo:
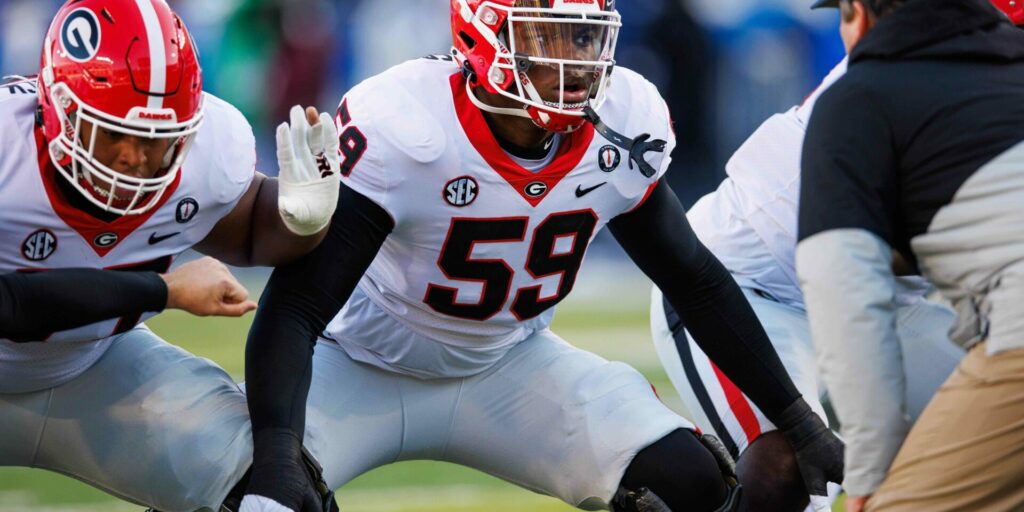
(1014, 9)
(499, 41)
(126, 66)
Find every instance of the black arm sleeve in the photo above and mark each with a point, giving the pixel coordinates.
(659, 239)
(298, 302)
(35, 304)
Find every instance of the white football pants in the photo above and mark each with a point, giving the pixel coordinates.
(717, 406)
(547, 416)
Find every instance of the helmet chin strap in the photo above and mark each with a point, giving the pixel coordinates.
(636, 146)
(518, 112)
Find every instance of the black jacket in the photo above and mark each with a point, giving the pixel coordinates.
(934, 91)
(917, 146)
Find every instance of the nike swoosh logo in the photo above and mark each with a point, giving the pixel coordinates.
(580, 191)
(154, 239)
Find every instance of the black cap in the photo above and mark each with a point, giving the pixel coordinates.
(825, 3)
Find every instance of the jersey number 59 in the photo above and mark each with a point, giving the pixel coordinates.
(496, 275)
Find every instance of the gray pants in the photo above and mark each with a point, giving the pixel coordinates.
(149, 423)
(547, 416)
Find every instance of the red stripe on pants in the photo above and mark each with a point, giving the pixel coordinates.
(739, 406)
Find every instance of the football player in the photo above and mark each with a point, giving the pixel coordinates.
(201, 287)
(472, 187)
(115, 158)
(749, 223)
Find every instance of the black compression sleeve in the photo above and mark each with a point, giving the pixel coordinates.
(32, 305)
(710, 303)
(300, 299)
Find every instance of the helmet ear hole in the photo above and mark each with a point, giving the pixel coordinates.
(469, 42)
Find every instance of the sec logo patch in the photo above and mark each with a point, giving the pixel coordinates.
(39, 245)
(80, 35)
(461, 191)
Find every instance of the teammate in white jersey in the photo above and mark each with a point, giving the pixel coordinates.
(472, 187)
(749, 223)
(115, 159)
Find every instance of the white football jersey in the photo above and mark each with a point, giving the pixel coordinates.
(40, 230)
(482, 248)
(750, 221)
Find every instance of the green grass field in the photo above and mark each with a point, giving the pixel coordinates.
(616, 329)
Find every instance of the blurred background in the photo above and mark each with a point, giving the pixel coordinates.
(722, 65)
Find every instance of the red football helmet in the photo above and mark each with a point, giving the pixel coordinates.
(1014, 9)
(500, 41)
(127, 67)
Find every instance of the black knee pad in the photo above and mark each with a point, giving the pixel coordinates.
(681, 471)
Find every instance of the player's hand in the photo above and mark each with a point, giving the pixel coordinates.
(310, 170)
(285, 477)
(856, 503)
(205, 287)
(819, 453)
(291, 487)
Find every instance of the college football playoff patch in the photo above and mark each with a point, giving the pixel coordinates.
(608, 158)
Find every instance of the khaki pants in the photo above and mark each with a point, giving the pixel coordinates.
(966, 452)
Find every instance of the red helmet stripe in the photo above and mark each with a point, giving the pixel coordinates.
(157, 54)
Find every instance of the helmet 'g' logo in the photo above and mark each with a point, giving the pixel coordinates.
(535, 188)
(80, 35)
(39, 245)
(460, 191)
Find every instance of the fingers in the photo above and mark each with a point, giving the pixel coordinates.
(300, 143)
(234, 292)
(307, 135)
(206, 287)
(285, 153)
(316, 139)
(856, 503)
(236, 310)
(330, 136)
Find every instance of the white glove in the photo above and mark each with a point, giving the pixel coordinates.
(310, 172)
(821, 503)
(257, 503)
